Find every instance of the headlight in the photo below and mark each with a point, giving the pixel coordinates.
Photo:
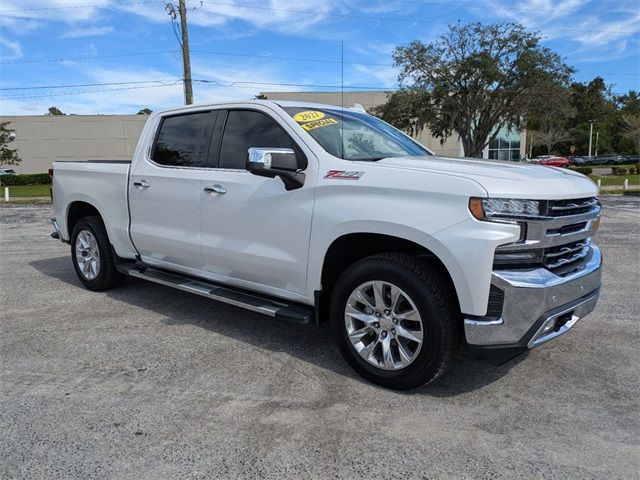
(490, 208)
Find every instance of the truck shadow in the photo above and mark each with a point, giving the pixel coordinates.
(310, 343)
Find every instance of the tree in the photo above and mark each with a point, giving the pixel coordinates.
(632, 131)
(8, 156)
(548, 121)
(549, 137)
(260, 96)
(479, 79)
(145, 111)
(55, 111)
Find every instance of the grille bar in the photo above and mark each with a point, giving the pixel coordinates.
(561, 208)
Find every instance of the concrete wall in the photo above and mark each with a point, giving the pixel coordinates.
(41, 140)
(368, 100)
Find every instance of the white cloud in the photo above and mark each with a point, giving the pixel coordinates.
(10, 50)
(87, 32)
(589, 24)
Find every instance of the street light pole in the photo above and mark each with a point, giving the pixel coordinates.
(597, 137)
(590, 135)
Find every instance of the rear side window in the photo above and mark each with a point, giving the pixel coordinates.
(183, 140)
(246, 129)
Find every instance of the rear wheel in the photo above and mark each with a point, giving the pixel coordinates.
(93, 259)
(395, 320)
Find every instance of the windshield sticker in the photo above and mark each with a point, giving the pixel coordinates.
(308, 116)
(343, 175)
(319, 123)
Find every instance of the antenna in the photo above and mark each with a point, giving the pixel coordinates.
(342, 97)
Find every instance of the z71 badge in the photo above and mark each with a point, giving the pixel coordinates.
(343, 175)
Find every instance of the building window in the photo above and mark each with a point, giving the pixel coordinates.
(506, 146)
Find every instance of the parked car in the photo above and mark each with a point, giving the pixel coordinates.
(605, 159)
(551, 161)
(308, 212)
(7, 171)
(632, 159)
(578, 161)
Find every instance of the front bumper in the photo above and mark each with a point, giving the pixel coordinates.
(538, 306)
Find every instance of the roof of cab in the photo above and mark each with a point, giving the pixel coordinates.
(280, 103)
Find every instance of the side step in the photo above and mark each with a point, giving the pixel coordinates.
(279, 309)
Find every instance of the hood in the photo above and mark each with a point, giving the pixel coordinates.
(499, 178)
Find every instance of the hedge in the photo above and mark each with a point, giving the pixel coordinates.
(25, 179)
(584, 170)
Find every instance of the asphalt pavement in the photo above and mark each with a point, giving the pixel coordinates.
(146, 382)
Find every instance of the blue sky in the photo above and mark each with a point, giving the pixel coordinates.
(240, 43)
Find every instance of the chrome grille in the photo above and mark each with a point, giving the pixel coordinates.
(563, 208)
(564, 255)
(558, 241)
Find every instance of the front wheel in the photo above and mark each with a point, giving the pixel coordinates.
(395, 320)
(93, 259)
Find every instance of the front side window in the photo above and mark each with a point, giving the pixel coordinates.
(247, 129)
(353, 135)
(183, 140)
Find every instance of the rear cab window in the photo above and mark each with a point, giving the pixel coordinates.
(183, 140)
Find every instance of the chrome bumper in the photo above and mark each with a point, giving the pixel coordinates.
(538, 305)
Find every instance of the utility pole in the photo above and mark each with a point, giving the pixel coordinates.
(186, 59)
(590, 135)
(597, 138)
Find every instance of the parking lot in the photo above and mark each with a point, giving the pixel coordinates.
(148, 382)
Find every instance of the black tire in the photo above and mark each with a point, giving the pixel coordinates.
(588, 164)
(435, 301)
(108, 276)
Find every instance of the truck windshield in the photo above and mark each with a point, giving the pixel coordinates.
(353, 135)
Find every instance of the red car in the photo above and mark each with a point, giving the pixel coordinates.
(552, 161)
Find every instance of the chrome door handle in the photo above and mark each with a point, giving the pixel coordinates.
(142, 184)
(215, 189)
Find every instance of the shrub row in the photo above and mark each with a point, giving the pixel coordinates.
(584, 170)
(624, 171)
(25, 179)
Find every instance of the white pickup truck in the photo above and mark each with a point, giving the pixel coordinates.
(310, 212)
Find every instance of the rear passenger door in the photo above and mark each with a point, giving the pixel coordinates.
(255, 234)
(164, 192)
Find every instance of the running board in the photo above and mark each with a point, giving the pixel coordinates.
(278, 309)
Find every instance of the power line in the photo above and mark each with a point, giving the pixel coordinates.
(245, 55)
(86, 57)
(227, 84)
(78, 85)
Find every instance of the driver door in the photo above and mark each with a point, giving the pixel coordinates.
(254, 233)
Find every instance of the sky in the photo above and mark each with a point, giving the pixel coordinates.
(117, 56)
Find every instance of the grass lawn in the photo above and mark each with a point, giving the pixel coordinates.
(609, 180)
(27, 191)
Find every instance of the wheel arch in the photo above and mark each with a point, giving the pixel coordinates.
(77, 210)
(352, 247)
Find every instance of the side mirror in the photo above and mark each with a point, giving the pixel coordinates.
(276, 162)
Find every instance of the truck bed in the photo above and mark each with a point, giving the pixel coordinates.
(101, 184)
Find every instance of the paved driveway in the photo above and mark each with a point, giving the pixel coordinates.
(148, 382)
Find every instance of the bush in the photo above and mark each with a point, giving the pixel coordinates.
(584, 170)
(618, 171)
(26, 179)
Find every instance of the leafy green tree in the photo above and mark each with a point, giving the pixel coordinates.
(474, 80)
(8, 156)
(55, 111)
(145, 111)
